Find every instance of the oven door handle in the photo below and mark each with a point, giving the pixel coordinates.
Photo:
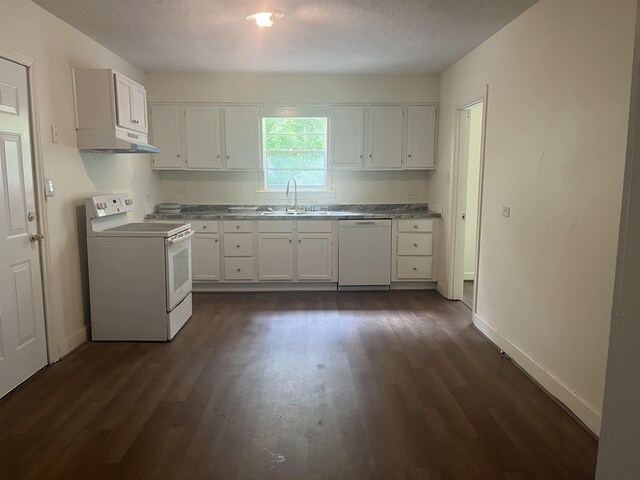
(173, 241)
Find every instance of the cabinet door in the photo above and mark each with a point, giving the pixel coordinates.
(275, 256)
(202, 130)
(420, 151)
(139, 107)
(385, 137)
(242, 138)
(167, 136)
(205, 256)
(315, 253)
(347, 137)
(124, 109)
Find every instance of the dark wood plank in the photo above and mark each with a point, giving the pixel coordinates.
(307, 385)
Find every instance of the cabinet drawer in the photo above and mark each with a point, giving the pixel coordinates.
(414, 267)
(415, 244)
(415, 225)
(240, 245)
(245, 226)
(238, 268)
(275, 226)
(315, 226)
(205, 226)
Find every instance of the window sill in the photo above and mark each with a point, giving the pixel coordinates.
(302, 195)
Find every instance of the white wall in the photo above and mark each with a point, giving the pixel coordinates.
(240, 187)
(559, 80)
(473, 179)
(57, 48)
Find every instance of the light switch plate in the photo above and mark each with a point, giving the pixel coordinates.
(54, 133)
(49, 189)
(506, 212)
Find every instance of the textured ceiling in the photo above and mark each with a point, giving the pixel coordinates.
(327, 36)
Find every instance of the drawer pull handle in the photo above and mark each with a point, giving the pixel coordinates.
(238, 227)
(415, 226)
(204, 227)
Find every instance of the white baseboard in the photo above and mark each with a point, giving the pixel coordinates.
(442, 290)
(73, 342)
(552, 384)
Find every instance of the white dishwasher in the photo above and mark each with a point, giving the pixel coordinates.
(364, 254)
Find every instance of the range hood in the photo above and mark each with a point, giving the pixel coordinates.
(113, 141)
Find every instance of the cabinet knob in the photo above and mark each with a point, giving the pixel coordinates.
(415, 244)
(216, 240)
(409, 155)
(360, 156)
(238, 269)
(370, 156)
(228, 157)
(218, 156)
(292, 241)
(237, 246)
(204, 227)
(299, 241)
(178, 155)
(415, 226)
(238, 226)
(415, 268)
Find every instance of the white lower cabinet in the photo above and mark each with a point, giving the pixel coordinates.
(413, 250)
(315, 255)
(304, 251)
(275, 256)
(205, 254)
(205, 251)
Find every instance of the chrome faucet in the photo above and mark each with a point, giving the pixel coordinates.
(295, 194)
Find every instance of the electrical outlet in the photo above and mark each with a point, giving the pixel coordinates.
(413, 195)
(506, 212)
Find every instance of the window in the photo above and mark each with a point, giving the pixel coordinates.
(295, 147)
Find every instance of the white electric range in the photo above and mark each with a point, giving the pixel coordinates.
(139, 273)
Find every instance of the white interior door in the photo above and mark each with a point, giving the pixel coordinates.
(22, 334)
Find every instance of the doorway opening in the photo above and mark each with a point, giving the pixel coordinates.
(468, 192)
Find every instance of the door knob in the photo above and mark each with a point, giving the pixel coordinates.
(36, 237)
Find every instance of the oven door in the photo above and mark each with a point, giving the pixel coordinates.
(178, 258)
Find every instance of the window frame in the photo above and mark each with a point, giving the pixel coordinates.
(307, 111)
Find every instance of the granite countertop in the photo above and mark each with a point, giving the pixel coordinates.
(262, 212)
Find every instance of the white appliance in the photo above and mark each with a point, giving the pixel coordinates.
(364, 255)
(139, 273)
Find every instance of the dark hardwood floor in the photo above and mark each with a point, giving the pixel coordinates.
(327, 385)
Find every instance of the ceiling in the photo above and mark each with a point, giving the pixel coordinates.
(315, 36)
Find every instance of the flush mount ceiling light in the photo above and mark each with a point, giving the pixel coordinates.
(265, 19)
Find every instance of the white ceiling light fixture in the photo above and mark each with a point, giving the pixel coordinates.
(265, 19)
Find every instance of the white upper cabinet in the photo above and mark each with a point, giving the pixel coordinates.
(242, 138)
(131, 104)
(202, 131)
(385, 137)
(420, 146)
(165, 122)
(347, 137)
